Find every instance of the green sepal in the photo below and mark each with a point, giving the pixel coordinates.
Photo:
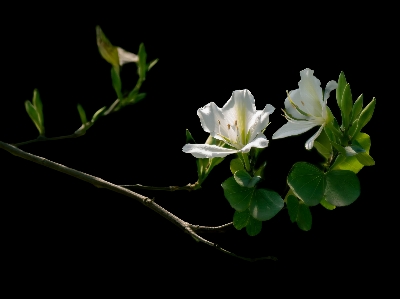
(106, 49)
(354, 130)
(307, 182)
(39, 106)
(117, 84)
(342, 187)
(241, 219)
(323, 145)
(151, 64)
(340, 88)
(254, 227)
(82, 115)
(327, 205)
(138, 98)
(98, 114)
(260, 170)
(366, 114)
(34, 116)
(357, 108)
(142, 69)
(346, 107)
(189, 137)
(245, 180)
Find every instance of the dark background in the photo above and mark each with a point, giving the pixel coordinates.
(59, 229)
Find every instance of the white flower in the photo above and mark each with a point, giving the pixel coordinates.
(238, 124)
(306, 108)
(126, 57)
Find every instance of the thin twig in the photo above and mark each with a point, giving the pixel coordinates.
(188, 187)
(100, 183)
(43, 138)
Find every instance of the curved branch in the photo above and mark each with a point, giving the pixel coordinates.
(188, 187)
(100, 183)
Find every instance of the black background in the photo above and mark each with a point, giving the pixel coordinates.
(61, 230)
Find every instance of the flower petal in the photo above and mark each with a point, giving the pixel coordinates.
(260, 121)
(294, 128)
(311, 92)
(212, 120)
(260, 141)
(310, 141)
(296, 98)
(126, 57)
(239, 109)
(207, 150)
(331, 85)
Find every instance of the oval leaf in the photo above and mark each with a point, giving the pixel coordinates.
(293, 207)
(245, 180)
(236, 165)
(238, 197)
(307, 183)
(304, 218)
(241, 219)
(342, 187)
(253, 227)
(265, 204)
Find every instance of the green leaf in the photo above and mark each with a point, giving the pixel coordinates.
(235, 165)
(366, 114)
(241, 219)
(254, 227)
(33, 114)
(354, 130)
(346, 107)
(293, 207)
(323, 145)
(106, 49)
(327, 205)
(326, 153)
(245, 180)
(189, 137)
(260, 170)
(307, 182)
(142, 62)
(329, 133)
(340, 88)
(365, 159)
(116, 82)
(151, 64)
(339, 148)
(238, 197)
(357, 107)
(265, 204)
(352, 163)
(38, 105)
(342, 187)
(98, 113)
(304, 218)
(82, 114)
